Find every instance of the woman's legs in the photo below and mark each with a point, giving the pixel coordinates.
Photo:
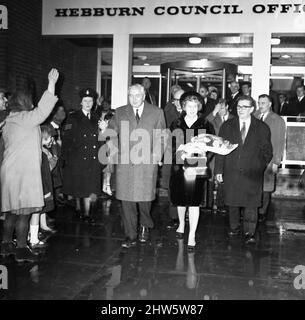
(87, 203)
(9, 227)
(181, 216)
(22, 228)
(34, 228)
(193, 221)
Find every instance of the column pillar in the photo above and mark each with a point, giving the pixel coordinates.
(121, 69)
(261, 63)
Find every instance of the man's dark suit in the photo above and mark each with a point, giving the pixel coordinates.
(243, 169)
(232, 102)
(297, 106)
(285, 109)
(207, 107)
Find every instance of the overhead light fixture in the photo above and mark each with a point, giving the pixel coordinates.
(285, 56)
(189, 85)
(275, 41)
(194, 40)
(146, 64)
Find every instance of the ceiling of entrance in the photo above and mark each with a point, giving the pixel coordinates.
(231, 48)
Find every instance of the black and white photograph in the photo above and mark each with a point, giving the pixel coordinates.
(152, 155)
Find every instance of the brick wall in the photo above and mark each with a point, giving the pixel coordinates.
(26, 56)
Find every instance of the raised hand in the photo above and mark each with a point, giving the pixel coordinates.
(53, 75)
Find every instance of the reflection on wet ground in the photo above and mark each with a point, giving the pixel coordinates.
(86, 262)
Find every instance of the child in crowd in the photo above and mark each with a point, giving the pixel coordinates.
(48, 163)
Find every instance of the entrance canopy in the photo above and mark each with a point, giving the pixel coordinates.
(123, 19)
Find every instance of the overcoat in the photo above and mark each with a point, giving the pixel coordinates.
(82, 170)
(21, 167)
(278, 135)
(137, 181)
(243, 169)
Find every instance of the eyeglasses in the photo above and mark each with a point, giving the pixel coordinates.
(244, 107)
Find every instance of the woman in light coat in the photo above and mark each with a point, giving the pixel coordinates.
(21, 183)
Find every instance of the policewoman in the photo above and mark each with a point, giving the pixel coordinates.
(82, 171)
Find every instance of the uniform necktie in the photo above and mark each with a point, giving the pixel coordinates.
(243, 132)
(137, 116)
(88, 116)
(223, 119)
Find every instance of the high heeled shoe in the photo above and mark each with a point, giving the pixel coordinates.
(179, 235)
(190, 249)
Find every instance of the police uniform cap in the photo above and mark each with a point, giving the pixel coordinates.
(88, 92)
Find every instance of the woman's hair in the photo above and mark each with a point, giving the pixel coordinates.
(47, 130)
(20, 101)
(193, 97)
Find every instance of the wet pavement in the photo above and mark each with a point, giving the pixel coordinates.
(86, 261)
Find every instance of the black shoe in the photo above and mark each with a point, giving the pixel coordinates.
(234, 232)
(128, 243)
(250, 238)
(173, 224)
(39, 245)
(144, 234)
(48, 231)
(25, 255)
(190, 249)
(179, 235)
(88, 220)
(7, 249)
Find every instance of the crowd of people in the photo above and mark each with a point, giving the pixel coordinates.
(49, 156)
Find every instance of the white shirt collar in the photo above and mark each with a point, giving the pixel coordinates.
(86, 113)
(300, 98)
(234, 94)
(140, 110)
(54, 125)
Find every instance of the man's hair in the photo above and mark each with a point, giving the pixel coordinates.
(251, 100)
(264, 95)
(137, 86)
(246, 83)
(203, 86)
(300, 86)
(47, 130)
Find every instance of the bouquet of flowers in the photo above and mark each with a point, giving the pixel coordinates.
(202, 143)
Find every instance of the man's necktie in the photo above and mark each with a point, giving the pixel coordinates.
(243, 132)
(262, 117)
(137, 116)
(223, 119)
(88, 116)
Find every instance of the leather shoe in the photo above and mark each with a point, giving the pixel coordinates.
(250, 238)
(144, 234)
(179, 235)
(234, 232)
(89, 220)
(174, 223)
(128, 243)
(190, 249)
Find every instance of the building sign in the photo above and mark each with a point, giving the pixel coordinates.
(172, 16)
(3, 17)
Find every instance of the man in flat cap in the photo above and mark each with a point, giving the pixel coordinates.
(82, 175)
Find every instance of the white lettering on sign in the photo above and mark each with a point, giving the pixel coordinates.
(3, 278)
(299, 281)
(3, 17)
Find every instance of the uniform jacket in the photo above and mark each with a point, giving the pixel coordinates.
(278, 134)
(21, 167)
(81, 175)
(243, 169)
(137, 182)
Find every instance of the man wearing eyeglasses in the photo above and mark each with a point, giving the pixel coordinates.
(242, 171)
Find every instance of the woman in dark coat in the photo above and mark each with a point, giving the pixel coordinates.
(82, 171)
(187, 191)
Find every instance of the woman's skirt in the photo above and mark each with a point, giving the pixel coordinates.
(187, 186)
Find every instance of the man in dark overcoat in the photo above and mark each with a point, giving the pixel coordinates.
(242, 170)
(138, 128)
(278, 134)
(82, 170)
